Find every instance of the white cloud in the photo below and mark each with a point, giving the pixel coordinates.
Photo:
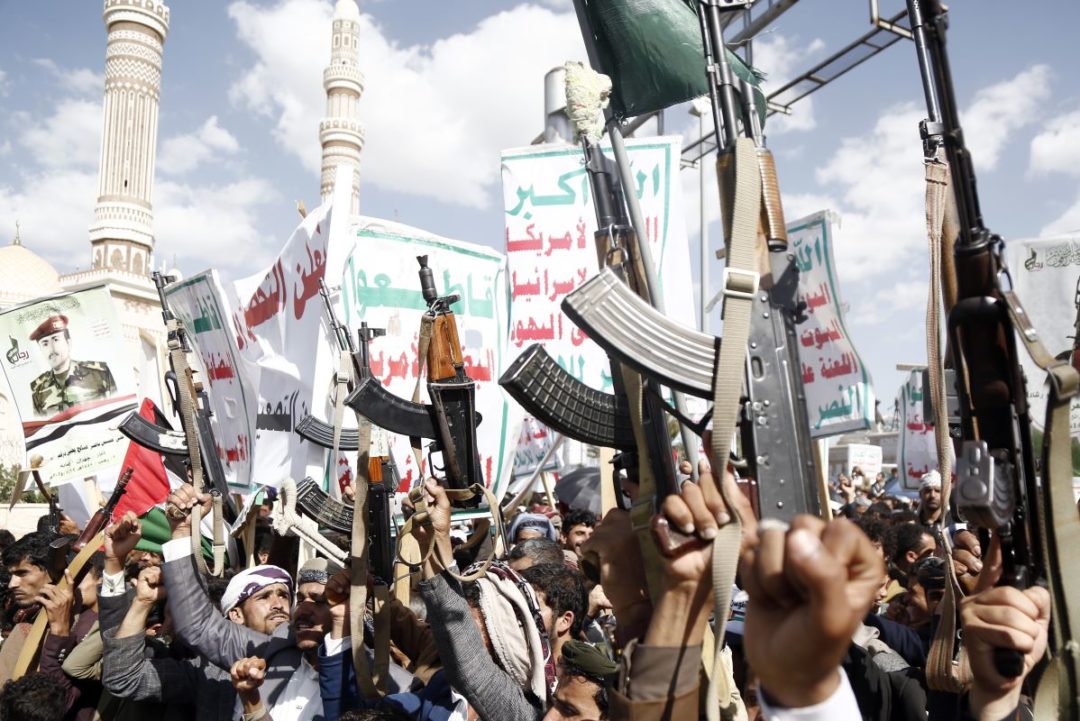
(1067, 222)
(436, 116)
(1057, 147)
(69, 138)
(878, 182)
(81, 81)
(196, 221)
(900, 296)
(999, 110)
(183, 153)
(781, 58)
(54, 210)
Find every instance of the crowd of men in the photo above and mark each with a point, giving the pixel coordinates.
(830, 621)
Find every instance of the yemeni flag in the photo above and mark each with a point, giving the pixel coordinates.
(653, 53)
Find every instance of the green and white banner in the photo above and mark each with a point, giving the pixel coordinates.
(379, 284)
(550, 224)
(839, 392)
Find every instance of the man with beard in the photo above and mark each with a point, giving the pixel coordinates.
(27, 562)
(930, 498)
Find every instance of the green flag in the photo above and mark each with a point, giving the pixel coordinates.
(652, 51)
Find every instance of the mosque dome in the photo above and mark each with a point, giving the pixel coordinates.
(25, 275)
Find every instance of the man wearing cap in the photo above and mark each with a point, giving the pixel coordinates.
(930, 498)
(68, 382)
(584, 671)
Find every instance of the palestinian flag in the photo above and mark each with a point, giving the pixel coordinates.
(154, 477)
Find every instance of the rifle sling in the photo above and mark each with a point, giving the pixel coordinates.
(944, 672)
(365, 683)
(28, 656)
(1059, 687)
(740, 285)
(342, 380)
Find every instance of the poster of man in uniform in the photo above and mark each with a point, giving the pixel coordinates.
(69, 378)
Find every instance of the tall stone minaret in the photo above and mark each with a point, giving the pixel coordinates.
(122, 234)
(340, 132)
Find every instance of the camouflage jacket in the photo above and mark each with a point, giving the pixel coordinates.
(85, 381)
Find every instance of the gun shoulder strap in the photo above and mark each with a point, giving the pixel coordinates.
(1058, 694)
(28, 656)
(342, 379)
(365, 683)
(740, 280)
(944, 670)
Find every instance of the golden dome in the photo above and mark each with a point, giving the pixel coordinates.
(25, 275)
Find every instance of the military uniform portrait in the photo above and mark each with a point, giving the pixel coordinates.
(68, 382)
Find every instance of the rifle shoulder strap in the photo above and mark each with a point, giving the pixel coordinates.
(944, 672)
(342, 379)
(28, 656)
(741, 280)
(1058, 694)
(359, 566)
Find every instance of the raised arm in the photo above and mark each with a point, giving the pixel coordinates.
(197, 622)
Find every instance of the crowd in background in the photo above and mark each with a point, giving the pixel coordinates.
(829, 620)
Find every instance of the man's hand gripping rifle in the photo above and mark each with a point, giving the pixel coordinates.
(996, 473)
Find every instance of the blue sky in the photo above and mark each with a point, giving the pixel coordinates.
(450, 84)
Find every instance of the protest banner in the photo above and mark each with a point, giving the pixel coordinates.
(275, 326)
(918, 452)
(380, 285)
(200, 303)
(71, 381)
(839, 393)
(1046, 276)
(534, 442)
(550, 222)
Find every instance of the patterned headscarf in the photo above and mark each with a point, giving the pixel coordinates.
(250, 581)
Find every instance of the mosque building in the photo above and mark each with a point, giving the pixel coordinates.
(121, 233)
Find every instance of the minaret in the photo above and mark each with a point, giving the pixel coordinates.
(340, 132)
(122, 235)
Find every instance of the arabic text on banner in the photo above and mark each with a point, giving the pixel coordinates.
(276, 325)
(839, 393)
(533, 444)
(200, 303)
(550, 222)
(918, 453)
(380, 285)
(72, 382)
(1046, 275)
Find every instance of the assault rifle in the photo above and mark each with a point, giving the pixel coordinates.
(450, 419)
(311, 428)
(62, 547)
(997, 486)
(774, 429)
(191, 403)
